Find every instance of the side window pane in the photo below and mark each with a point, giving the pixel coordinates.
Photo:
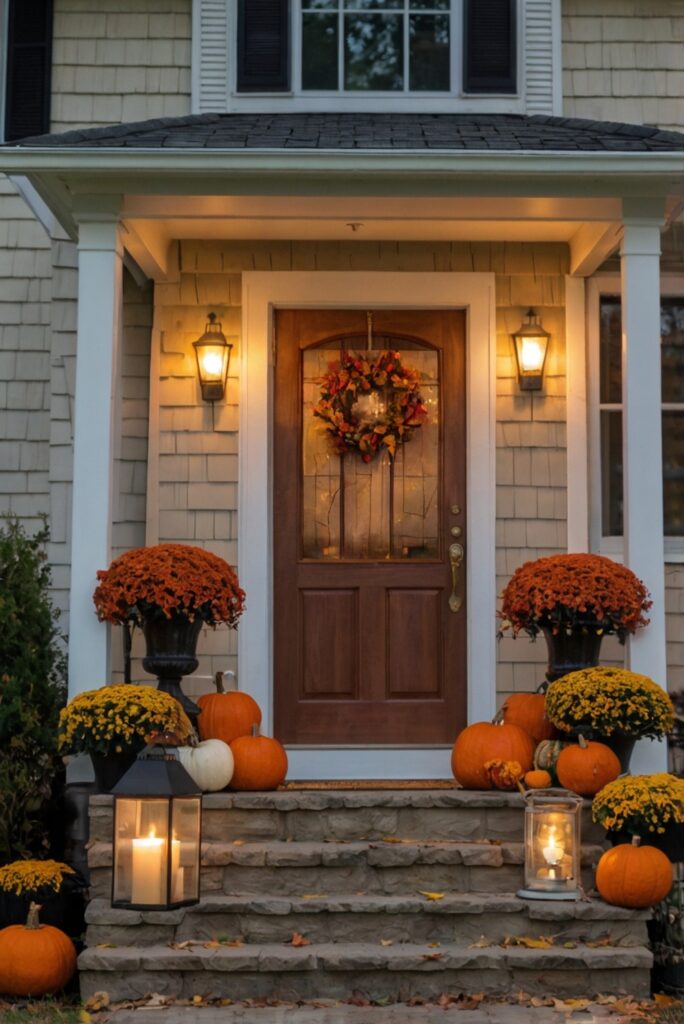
(672, 332)
(611, 350)
(611, 473)
(429, 52)
(673, 473)
(319, 51)
(374, 52)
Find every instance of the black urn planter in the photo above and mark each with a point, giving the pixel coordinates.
(669, 978)
(570, 652)
(171, 644)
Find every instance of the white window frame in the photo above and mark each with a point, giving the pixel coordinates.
(671, 286)
(340, 101)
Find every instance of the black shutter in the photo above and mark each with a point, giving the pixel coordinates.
(490, 46)
(263, 46)
(29, 65)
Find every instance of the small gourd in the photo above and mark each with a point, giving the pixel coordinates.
(504, 774)
(226, 714)
(547, 753)
(209, 764)
(260, 762)
(486, 742)
(35, 959)
(634, 876)
(538, 779)
(586, 767)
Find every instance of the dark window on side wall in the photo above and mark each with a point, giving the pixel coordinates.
(29, 46)
(263, 46)
(489, 46)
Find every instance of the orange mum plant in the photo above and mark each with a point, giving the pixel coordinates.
(169, 578)
(574, 594)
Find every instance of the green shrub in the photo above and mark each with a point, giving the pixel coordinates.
(32, 691)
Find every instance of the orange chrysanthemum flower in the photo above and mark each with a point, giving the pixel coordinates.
(574, 593)
(169, 578)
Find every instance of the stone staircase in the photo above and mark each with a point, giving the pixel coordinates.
(348, 872)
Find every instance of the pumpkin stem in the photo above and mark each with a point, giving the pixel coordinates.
(256, 730)
(582, 742)
(218, 682)
(636, 840)
(499, 716)
(33, 921)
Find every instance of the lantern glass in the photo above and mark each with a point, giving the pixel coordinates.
(552, 845)
(531, 343)
(212, 352)
(157, 831)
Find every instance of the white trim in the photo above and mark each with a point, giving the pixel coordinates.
(4, 36)
(264, 291)
(557, 60)
(576, 382)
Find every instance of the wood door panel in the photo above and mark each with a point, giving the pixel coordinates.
(329, 650)
(414, 647)
(366, 650)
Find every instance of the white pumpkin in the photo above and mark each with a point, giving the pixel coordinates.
(210, 764)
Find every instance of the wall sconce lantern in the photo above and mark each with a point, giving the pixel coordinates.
(531, 342)
(212, 351)
(157, 833)
(552, 845)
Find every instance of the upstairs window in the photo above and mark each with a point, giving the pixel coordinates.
(27, 68)
(381, 47)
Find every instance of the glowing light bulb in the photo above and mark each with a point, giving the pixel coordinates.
(213, 363)
(531, 355)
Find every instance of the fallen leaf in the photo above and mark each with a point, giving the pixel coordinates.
(603, 940)
(431, 895)
(482, 943)
(197, 1000)
(98, 1001)
(569, 945)
(299, 940)
(105, 945)
(84, 1017)
(386, 942)
(391, 839)
(314, 895)
(434, 945)
(238, 842)
(543, 942)
(188, 944)
(660, 999)
(432, 956)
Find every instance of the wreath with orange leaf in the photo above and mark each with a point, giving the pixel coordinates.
(369, 403)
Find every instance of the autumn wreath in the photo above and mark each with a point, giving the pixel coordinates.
(369, 403)
(574, 593)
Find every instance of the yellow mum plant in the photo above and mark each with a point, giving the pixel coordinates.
(35, 878)
(117, 718)
(640, 804)
(601, 701)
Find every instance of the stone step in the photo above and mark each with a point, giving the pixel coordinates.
(386, 866)
(338, 970)
(462, 918)
(314, 816)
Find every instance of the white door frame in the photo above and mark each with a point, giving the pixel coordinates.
(262, 293)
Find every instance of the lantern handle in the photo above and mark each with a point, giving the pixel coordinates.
(552, 795)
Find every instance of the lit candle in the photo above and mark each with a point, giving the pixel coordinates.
(553, 853)
(148, 871)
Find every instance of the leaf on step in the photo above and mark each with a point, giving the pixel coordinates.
(431, 895)
(393, 839)
(314, 895)
(434, 945)
(569, 945)
(299, 940)
(105, 945)
(538, 1001)
(238, 842)
(603, 940)
(386, 942)
(358, 1001)
(415, 1001)
(98, 1001)
(197, 1000)
(543, 942)
(84, 1017)
(432, 956)
(660, 999)
(225, 1002)
(154, 1000)
(482, 943)
(382, 1001)
(188, 944)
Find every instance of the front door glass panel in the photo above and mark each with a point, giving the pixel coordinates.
(387, 509)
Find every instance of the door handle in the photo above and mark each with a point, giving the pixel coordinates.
(456, 555)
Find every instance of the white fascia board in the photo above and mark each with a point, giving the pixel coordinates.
(495, 163)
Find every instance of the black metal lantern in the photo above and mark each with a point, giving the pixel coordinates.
(531, 342)
(212, 351)
(157, 834)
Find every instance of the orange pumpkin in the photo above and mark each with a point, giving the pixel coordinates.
(260, 762)
(226, 715)
(634, 876)
(528, 711)
(586, 767)
(35, 959)
(538, 779)
(486, 742)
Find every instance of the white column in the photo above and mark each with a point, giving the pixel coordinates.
(642, 442)
(576, 383)
(97, 357)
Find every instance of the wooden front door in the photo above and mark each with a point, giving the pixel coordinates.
(369, 600)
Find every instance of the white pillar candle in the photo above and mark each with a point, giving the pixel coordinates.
(148, 886)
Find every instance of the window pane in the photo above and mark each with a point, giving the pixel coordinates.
(319, 51)
(673, 473)
(429, 5)
(611, 350)
(320, 5)
(374, 52)
(374, 5)
(611, 473)
(672, 332)
(429, 52)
